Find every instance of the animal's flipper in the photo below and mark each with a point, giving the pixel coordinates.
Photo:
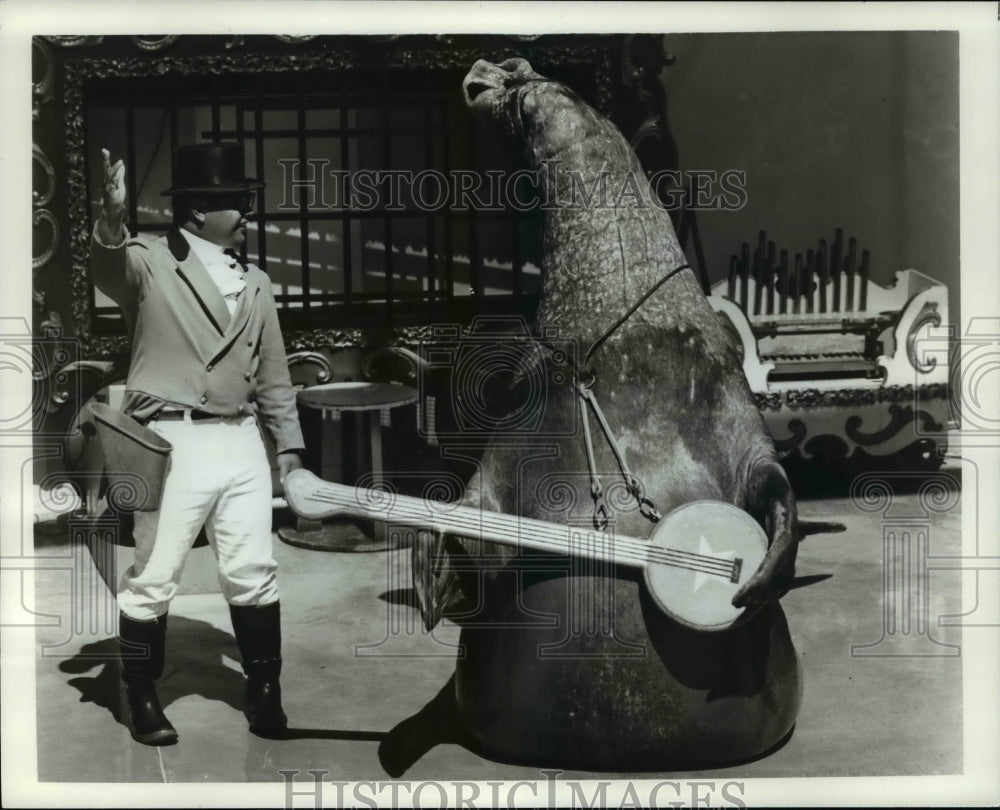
(434, 579)
(807, 527)
(771, 501)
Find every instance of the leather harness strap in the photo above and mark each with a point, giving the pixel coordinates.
(646, 506)
(588, 402)
(632, 309)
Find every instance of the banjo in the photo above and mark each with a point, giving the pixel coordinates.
(697, 558)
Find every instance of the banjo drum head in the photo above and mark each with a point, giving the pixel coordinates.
(696, 551)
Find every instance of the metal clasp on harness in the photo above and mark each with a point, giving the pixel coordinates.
(601, 513)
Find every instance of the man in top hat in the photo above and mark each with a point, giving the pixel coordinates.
(208, 362)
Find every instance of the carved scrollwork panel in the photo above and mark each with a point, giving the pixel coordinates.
(42, 90)
(309, 368)
(43, 215)
(928, 315)
(43, 197)
(75, 41)
(798, 433)
(155, 43)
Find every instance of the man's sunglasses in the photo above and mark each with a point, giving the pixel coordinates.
(244, 202)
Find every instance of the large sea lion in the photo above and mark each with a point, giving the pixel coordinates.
(577, 667)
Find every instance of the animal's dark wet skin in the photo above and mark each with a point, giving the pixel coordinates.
(607, 680)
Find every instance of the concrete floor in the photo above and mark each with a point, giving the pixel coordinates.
(861, 715)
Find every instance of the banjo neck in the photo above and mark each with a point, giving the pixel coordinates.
(313, 498)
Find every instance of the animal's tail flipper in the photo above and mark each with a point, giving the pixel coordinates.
(771, 501)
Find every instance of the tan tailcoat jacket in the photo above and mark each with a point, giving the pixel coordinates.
(186, 349)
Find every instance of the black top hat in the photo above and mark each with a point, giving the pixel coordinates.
(210, 168)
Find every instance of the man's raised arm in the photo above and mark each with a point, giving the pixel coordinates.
(113, 271)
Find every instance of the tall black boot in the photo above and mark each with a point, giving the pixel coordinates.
(142, 648)
(258, 635)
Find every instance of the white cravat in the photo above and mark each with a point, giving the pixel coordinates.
(224, 270)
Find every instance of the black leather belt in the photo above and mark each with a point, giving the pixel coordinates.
(196, 415)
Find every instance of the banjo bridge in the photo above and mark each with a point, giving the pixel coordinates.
(734, 577)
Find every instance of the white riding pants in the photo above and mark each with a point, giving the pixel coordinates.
(219, 478)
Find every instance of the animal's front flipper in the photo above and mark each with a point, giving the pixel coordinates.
(447, 571)
(434, 579)
(771, 501)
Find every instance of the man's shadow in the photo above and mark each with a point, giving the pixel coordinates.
(194, 666)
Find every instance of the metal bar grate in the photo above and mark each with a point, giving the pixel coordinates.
(241, 108)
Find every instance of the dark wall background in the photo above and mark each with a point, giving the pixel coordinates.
(857, 130)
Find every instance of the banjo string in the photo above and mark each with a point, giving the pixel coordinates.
(623, 548)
